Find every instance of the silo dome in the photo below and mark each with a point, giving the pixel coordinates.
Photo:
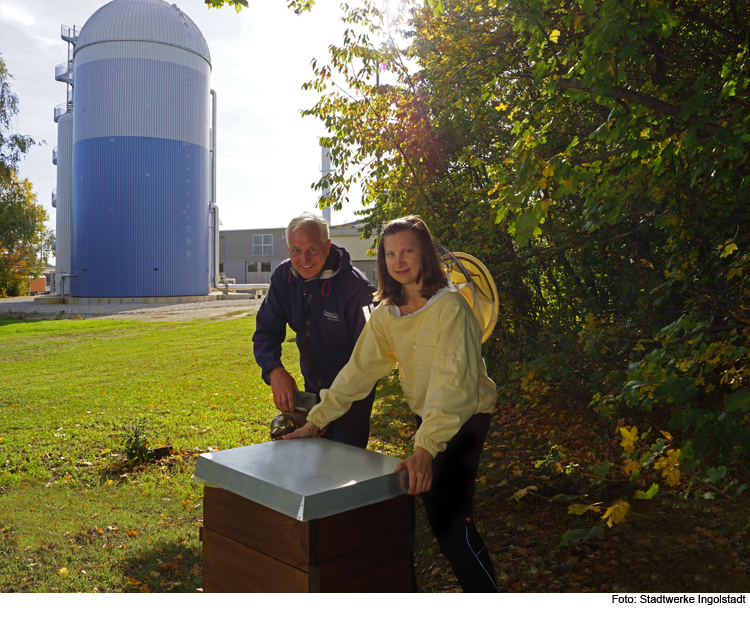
(143, 20)
(140, 208)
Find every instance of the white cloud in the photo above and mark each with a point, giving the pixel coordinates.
(14, 13)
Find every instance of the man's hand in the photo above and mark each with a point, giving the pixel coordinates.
(283, 387)
(419, 466)
(307, 430)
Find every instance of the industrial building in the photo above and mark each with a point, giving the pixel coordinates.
(135, 196)
(136, 168)
(251, 255)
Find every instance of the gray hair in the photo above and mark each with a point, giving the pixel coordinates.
(308, 219)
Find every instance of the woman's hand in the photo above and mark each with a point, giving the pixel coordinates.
(419, 466)
(307, 430)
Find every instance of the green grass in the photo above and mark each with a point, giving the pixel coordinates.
(74, 515)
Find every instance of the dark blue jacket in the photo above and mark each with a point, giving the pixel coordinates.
(327, 313)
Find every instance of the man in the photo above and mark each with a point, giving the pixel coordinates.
(326, 301)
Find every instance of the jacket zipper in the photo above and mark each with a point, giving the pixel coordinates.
(308, 299)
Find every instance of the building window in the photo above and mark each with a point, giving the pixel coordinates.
(265, 267)
(262, 245)
(252, 267)
(221, 268)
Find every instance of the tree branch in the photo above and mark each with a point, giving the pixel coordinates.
(647, 101)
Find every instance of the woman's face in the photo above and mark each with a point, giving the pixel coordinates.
(403, 257)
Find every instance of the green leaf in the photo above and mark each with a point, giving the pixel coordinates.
(738, 401)
(581, 534)
(648, 495)
(713, 475)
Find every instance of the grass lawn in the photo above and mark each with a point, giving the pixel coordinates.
(74, 515)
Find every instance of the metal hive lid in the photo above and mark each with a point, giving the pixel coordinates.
(306, 479)
(143, 20)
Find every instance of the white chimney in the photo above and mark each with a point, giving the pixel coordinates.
(325, 169)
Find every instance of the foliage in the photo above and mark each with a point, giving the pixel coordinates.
(136, 442)
(298, 6)
(22, 218)
(594, 155)
(22, 234)
(12, 146)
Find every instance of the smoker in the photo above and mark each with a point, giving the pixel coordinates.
(304, 515)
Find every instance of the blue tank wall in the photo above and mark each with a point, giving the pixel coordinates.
(137, 235)
(141, 181)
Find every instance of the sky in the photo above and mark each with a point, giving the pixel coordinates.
(268, 155)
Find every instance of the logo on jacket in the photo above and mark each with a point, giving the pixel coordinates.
(367, 311)
(330, 316)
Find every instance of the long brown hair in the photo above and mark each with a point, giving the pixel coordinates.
(431, 275)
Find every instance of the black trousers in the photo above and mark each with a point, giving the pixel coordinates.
(450, 507)
(353, 428)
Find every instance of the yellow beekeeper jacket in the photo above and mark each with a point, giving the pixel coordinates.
(441, 369)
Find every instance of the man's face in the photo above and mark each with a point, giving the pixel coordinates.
(308, 251)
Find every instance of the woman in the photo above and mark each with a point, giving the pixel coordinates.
(428, 328)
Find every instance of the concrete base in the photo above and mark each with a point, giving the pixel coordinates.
(185, 299)
(240, 296)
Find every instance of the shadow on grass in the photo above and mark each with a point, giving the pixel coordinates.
(164, 568)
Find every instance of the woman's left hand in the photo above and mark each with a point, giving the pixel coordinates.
(419, 466)
(307, 430)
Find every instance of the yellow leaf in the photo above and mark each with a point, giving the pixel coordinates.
(522, 492)
(728, 249)
(631, 467)
(670, 466)
(616, 513)
(62, 572)
(629, 436)
(735, 271)
(581, 509)
(554, 36)
(500, 107)
(667, 435)
(577, 22)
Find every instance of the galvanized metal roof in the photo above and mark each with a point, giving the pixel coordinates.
(143, 20)
(305, 479)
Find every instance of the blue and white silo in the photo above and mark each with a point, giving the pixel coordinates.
(141, 154)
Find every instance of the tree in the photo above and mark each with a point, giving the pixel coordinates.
(298, 6)
(22, 218)
(22, 235)
(594, 154)
(12, 146)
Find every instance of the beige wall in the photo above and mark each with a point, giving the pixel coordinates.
(356, 247)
